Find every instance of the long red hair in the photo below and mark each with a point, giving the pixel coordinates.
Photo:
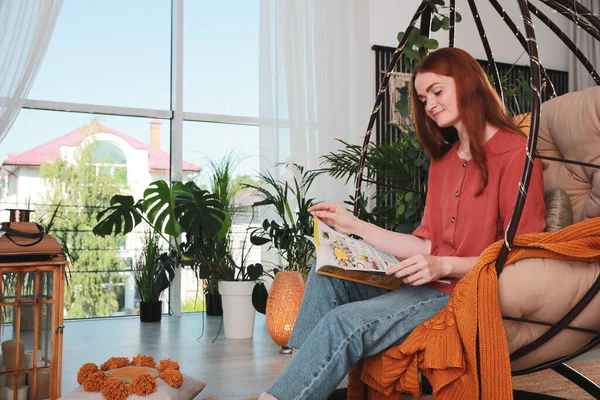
(477, 102)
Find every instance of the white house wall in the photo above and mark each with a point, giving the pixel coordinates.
(23, 189)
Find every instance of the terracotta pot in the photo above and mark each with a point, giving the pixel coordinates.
(283, 305)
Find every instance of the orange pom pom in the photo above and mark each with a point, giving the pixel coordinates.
(94, 381)
(167, 364)
(143, 361)
(173, 377)
(114, 389)
(84, 372)
(115, 362)
(143, 385)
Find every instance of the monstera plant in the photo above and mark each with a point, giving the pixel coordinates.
(182, 214)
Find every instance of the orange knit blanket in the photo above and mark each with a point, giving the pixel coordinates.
(445, 347)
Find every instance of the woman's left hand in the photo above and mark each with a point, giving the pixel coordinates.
(419, 269)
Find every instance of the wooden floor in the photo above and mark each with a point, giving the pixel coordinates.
(232, 369)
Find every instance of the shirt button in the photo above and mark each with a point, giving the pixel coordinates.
(453, 220)
(456, 194)
(452, 244)
(465, 164)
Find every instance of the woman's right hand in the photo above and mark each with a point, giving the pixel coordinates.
(334, 214)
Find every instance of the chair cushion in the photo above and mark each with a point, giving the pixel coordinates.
(188, 390)
(545, 290)
(570, 129)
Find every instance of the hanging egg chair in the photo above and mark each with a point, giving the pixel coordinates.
(565, 134)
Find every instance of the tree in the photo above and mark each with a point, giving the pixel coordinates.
(81, 186)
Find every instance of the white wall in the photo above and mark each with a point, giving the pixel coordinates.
(388, 17)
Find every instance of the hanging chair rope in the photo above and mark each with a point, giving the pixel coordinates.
(591, 26)
(567, 41)
(488, 50)
(452, 23)
(521, 38)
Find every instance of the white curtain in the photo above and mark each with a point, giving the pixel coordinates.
(26, 27)
(579, 77)
(315, 83)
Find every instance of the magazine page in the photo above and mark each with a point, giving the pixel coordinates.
(338, 249)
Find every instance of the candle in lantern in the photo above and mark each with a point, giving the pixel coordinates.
(29, 358)
(43, 385)
(10, 379)
(21, 392)
(9, 353)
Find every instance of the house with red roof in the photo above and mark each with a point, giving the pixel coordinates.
(140, 162)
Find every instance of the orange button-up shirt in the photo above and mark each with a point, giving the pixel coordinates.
(462, 225)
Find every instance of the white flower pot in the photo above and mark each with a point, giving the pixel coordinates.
(238, 311)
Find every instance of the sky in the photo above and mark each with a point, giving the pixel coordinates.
(117, 53)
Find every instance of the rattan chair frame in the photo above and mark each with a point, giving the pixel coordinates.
(590, 23)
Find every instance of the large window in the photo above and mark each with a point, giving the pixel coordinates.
(109, 52)
(73, 163)
(139, 91)
(221, 57)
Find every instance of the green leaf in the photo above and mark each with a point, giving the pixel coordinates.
(255, 271)
(260, 295)
(457, 17)
(400, 208)
(408, 196)
(400, 34)
(259, 240)
(420, 41)
(121, 217)
(431, 44)
(445, 23)
(414, 34)
(412, 54)
(225, 227)
(197, 210)
(165, 273)
(436, 24)
(403, 107)
(159, 206)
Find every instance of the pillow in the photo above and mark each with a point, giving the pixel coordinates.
(188, 390)
(559, 212)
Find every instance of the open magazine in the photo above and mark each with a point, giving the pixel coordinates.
(343, 257)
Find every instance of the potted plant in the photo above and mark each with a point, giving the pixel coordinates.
(225, 187)
(180, 214)
(153, 273)
(240, 284)
(288, 236)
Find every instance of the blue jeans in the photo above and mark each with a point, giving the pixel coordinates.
(341, 322)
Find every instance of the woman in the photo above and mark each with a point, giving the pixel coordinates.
(478, 155)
